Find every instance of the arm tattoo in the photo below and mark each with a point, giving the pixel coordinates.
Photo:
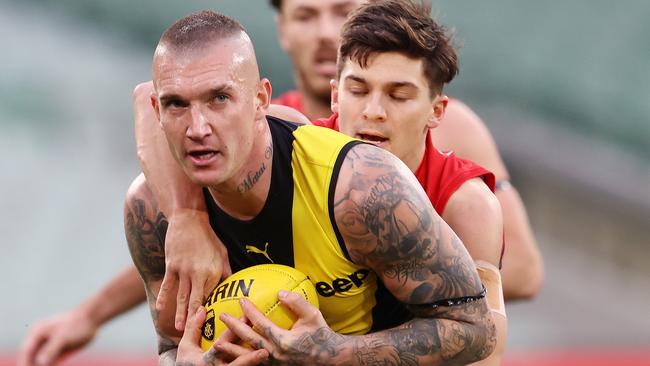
(317, 347)
(388, 224)
(393, 231)
(417, 340)
(322, 344)
(146, 238)
(145, 233)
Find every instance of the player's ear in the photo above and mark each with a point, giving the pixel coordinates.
(153, 97)
(438, 108)
(334, 97)
(263, 97)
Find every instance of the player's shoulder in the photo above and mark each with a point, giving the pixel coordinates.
(474, 213)
(139, 191)
(474, 207)
(474, 194)
(465, 133)
(137, 186)
(374, 165)
(288, 114)
(459, 124)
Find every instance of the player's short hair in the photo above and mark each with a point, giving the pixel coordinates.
(199, 28)
(403, 26)
(277, 4)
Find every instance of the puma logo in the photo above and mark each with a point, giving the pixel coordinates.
(254, 249)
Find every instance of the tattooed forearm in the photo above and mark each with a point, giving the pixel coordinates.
(145, 234)
(322, 344)
(145, 228)
(422, 341)
(428, 341)
(167, 347)
(318, 347)
(468, 342)
(151, 301)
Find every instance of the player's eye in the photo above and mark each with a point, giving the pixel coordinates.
(399, 97)
(358, 91)
(221, 98)
(304, 16)
(174, 103)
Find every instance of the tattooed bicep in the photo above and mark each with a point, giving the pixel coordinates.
(389, 225)
(145, 227)
(377, 205)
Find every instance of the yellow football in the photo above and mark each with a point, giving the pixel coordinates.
(260, 284)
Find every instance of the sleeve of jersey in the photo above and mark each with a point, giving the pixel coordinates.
(321, 122)
(330, 122)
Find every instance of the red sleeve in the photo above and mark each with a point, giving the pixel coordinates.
(457, 173)
(291, 99)
(331, 123)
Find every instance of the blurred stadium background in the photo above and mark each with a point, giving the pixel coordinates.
(563, 86)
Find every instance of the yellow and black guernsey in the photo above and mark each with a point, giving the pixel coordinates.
(296, 227)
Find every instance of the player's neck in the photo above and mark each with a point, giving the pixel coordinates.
(415, 156)
(316, 108)
(244, 195)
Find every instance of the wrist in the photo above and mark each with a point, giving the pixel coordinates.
(345, 351)
(119, 295)
(91, 312)
(180, 214)
(184, 198)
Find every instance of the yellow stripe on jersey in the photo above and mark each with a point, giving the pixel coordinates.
(346, 291)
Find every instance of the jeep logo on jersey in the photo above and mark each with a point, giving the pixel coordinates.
(342, 284)
(230, 289)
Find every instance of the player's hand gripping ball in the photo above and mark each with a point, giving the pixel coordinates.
(260, 284)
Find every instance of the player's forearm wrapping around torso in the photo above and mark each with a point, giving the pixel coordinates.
(145, 227)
